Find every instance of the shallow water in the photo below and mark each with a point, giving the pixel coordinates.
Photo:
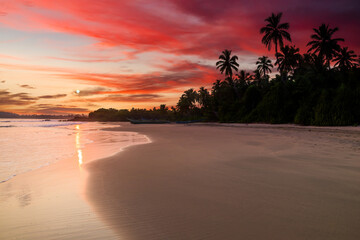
(29, 144)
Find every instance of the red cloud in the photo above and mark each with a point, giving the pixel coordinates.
(187, 27)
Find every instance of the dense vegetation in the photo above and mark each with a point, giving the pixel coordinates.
(321, 87)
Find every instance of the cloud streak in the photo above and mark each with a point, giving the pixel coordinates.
(26, 86)
(57, 109)
(52, 96)
(7, 98)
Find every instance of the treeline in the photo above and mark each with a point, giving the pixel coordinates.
(321, 87)
(310, 98)
(112, 114)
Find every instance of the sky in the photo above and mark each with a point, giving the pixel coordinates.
(140, 53)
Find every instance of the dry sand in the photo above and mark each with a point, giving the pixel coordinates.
(239, 182)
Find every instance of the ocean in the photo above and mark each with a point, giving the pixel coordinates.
(29, 144)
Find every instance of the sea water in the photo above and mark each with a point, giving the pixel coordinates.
(29, 144)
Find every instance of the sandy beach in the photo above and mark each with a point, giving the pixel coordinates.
(197, 182)
(231, 182)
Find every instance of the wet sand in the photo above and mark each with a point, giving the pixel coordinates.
(50, 202)
(233, 182)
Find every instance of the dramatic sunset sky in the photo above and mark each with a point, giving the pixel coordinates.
(139, 53)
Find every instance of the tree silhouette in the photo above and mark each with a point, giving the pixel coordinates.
(243, 77)
(288, 59)
(311, 61)
(187, 101)
(324, 44)
(256, 75)
(345, 59)
(227, 63)
(264, 66)
(275, 32)
(204, 98)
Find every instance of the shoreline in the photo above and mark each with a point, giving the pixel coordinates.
(49, 202)
(197, 181)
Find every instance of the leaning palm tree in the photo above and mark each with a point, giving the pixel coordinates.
(288, 59)
(227, 63)
(275, 32)
(323, 44)
(264, 66)
(345, 59)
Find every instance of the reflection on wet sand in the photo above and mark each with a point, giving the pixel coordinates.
(80, 157)
(78, 145)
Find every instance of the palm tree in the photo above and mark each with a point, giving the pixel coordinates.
(275, 32)
(203, 97)
(243, 76)
(312, 61)
(256, 75)
(345, 59)
(187, 101)
(323, 44)
(264, 66)
(227, 64)
(288, 59)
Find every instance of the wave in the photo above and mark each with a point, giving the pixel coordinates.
(22, 120)
(2, 181)
(54, 124)
(28, 170)
(57, 124)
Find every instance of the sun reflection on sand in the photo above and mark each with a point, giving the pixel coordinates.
(78, 145)
(80, 157)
